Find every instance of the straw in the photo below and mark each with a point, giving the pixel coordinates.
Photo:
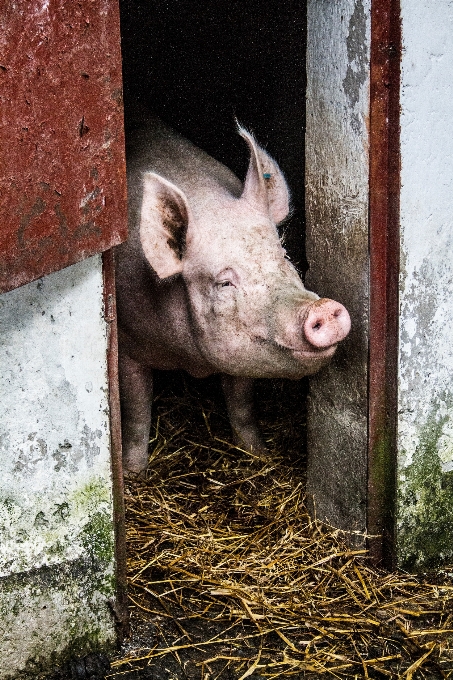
(220, 539)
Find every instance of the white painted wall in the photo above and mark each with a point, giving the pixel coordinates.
(425, 434)
(56, 526)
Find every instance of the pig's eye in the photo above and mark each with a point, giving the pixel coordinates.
(225, 284)
(227, 278)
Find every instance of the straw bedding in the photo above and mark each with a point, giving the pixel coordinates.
(229, 577)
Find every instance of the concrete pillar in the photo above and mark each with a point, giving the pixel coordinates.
(57, 567)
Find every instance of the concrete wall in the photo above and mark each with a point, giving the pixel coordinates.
(56, 526)
(425, 424)
(337, 249)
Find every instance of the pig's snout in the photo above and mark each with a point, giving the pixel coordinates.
(327, 323)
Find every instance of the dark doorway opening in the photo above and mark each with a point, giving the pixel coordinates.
(199, 67)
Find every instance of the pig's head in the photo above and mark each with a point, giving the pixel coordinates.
(249, 311)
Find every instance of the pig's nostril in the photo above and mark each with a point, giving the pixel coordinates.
(327, 323)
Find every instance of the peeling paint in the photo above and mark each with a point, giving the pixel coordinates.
(56, 507)
(357, 73)
(425, 407)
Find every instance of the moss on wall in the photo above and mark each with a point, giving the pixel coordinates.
(60, 611)
(61, 608)
(425, 504)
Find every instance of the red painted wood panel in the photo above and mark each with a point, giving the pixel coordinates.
(62, 167)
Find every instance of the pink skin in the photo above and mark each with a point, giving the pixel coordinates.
(204, 284)
(327, 323)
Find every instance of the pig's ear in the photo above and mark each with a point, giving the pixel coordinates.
(164, 221)
(264, 183)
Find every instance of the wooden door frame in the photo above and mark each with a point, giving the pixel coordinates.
(384, 243)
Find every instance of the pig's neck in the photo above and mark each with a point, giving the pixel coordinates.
(160, 336)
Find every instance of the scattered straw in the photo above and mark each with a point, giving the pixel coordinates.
(239, 582)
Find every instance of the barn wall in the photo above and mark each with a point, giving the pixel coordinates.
(56, 525)
(425, 426)
(338, 35)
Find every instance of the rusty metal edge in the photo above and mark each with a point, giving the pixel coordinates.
(384, 274)
(119, 607)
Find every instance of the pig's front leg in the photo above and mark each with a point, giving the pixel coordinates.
(136, 395)
(241, 412)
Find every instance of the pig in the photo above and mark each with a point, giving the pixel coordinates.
(204, 284)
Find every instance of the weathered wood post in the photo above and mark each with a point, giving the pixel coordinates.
(63, 203)
(337, 199)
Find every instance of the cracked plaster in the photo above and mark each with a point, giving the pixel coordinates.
(55, 480)
(426, 281)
